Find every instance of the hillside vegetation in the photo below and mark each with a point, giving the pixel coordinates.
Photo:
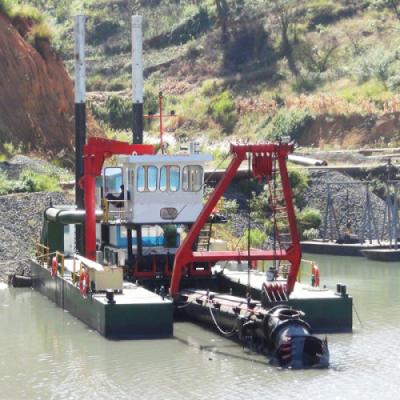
(325, 72)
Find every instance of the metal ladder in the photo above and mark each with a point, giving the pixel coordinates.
(204, 238)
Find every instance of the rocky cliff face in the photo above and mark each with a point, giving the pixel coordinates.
(36, 95)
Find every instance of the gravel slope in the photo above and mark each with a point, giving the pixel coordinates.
(349, 200)
(21, 218)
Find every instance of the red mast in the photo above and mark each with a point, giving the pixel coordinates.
(95, 152)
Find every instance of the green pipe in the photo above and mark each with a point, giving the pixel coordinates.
(67, 215)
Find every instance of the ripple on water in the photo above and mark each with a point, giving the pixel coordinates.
(50, 354)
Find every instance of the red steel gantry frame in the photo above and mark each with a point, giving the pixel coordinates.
(263, 155)
(95, 152)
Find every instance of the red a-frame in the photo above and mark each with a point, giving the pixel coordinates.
(262, 155)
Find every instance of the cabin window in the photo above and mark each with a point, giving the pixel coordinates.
(174, 178)
(112, 180)
(152, 178)
(169, 178)
(140, 179)
(192, 178)
(147, 178)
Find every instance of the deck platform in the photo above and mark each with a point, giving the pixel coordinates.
(136, 314)
(325, 310)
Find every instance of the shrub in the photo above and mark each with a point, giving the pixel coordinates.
(41, 31)
(210, 86)
(298, 179)
(257, 237)
(29, 181)
(151, 102)
(288, 123)
(35, 182)
(223, 110)
(305, 84)
(182, 31)
(170, 236)
(248, 44)
(376, 64)
(311, 234)
(229, 207)
(26, 12)
(101, 28)
(119, 112)
(308, 218)
(94, 82)
(5, 186)
(327, 11)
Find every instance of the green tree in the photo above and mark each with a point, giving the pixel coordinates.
(285, 12)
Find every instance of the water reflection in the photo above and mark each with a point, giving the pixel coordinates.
(46, 353)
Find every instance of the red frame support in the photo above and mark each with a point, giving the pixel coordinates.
(95, 152)
(185, 254)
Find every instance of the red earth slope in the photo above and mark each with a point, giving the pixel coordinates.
(36, 95)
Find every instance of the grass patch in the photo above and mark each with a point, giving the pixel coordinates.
(35, 182)
(28, 182)
(372, 90)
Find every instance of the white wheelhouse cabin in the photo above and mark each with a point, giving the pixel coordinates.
(154, 189)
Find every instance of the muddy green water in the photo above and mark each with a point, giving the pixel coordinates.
(48, 354)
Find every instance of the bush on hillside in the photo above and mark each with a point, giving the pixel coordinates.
(188, 29)
(223, 110)
(323, 12)
(35, 182)
(39, 33)
(248, 45)
(117, 110)
(287, 123)
(377, 63)
(100, 28)
(29, 181)
(25, 12)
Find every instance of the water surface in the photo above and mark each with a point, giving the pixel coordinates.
(48, 354)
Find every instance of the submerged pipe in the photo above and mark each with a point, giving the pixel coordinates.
(279, 331)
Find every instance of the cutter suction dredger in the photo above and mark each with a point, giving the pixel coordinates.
(279, 332)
